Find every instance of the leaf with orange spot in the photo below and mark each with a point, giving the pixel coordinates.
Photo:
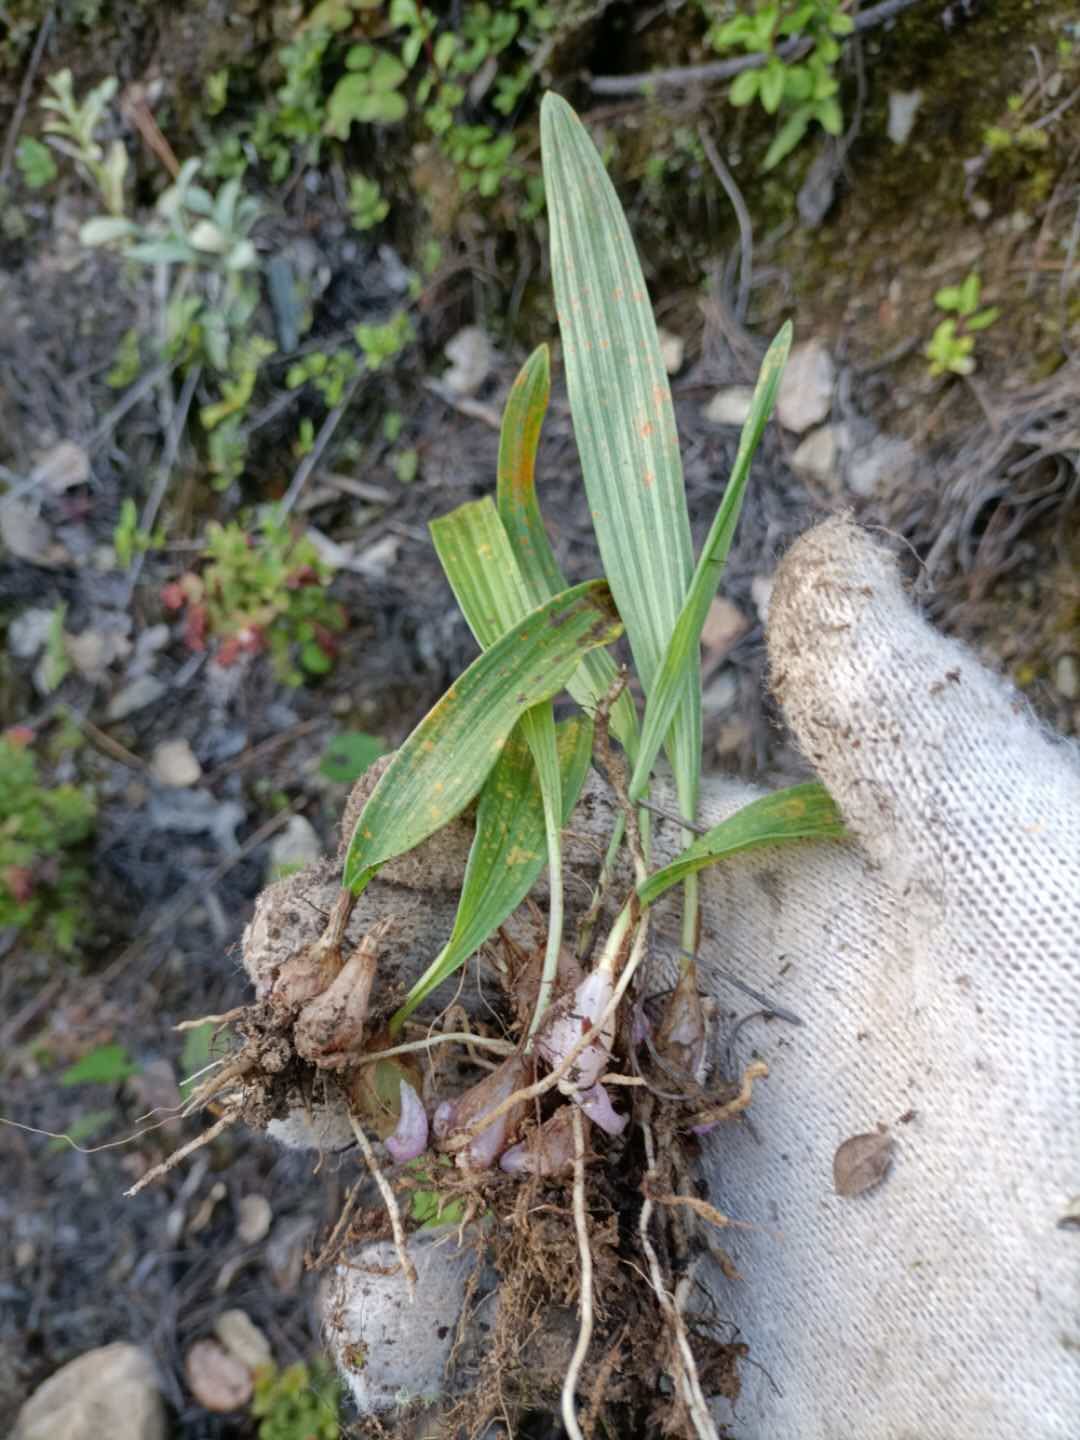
(508, 850)
(801, 812)
(529, 664)
(519, 511)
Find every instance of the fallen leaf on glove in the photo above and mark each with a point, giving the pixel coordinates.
(861, 1162)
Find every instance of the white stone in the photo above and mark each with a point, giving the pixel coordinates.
(242, 1337)
(174, 763)
(26, 536)
(730, 406)
(293, 848)
(29, 631)
(1067, 677)
(805, 394)
(903, 107)
(815, 457)
(672, 351)
(62, 466)
(881, 468)
(472, 358)
(217, 1379)
(721, 693)
(146, 690)
(724, 624)
(253, 1218)
(761, 588)
(110, 1392)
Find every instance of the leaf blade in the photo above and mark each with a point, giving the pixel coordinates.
(519, 511)
(800, 812)
(686, 635)
(508, 850)
(623, 416)
(444, 762)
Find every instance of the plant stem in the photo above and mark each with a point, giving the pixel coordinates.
(553, 827)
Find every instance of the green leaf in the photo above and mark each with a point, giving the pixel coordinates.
(802, 812)
(744, 87)
(35, 162)
(519, 511)
(983, 319)
(948, 297)
(106, 1065)
(104, 229)
(477, 558)
(508, 850)
(447, 758)
(829, 115)
(314, 659)
(624, 420)
(967, 298)
(787, 137)
(771, 87)
(684, 647)
(349, 754)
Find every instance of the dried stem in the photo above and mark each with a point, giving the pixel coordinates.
(569, 1390)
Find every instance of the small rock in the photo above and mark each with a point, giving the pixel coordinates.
(903, 107)
(472, 358)
(981, 209)
(174, 764)
(761, 588)
(729, 406)
(721, 693)
(818, 190)
(672, 351)
(285, 1251)
(293, 848)
(28, 632)
(93, 651)
(731, 739)
(243, 1339)
(219, 1381)
(26, 535)
(815, 457)
(62, 467)
(805, 394)
(205, 1213)
(253, 1219)
(191, 812)
(881, 468)
(147, 645)
(144, 691)
(110, 1392)
(724, 624)
(1067, 677)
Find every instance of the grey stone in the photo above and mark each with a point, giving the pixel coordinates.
(881, 468)
(903, 107)
(721, 693)
(110, 1392)
(174, 764)
(805, 395)
(672, 351)
(137, 695)
(193, 812)
(816, 456)
(294, 848)
(28, 632)
(1067, 677)
(729, 406)
(62, 467)
(472, 358)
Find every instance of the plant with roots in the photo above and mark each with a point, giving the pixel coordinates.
(594, 1077)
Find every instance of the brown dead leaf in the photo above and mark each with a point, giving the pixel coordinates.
(862, 1161)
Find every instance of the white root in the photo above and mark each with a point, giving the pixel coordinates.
(390, 1200)
(569, 1415)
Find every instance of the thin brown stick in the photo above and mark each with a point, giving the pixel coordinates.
(390, 1200)
(682, 76)
(185, 1150)
(25, 88)
(585, 1328)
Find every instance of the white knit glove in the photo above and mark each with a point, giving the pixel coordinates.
(935, 963)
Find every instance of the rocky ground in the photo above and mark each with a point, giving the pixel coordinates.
(208, 772)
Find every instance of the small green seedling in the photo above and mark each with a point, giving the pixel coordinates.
(300, 1402)
(36, 165)
(367, 205)
(42, 883)
(803, 91)
(953, 341)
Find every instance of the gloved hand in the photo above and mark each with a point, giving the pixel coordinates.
(935, 963)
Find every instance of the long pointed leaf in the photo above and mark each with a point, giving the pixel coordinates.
(446, 759)
(479, 562)
(508, 850)
(519, 511)
(623, 416)
(802, 812)
(686, 638)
